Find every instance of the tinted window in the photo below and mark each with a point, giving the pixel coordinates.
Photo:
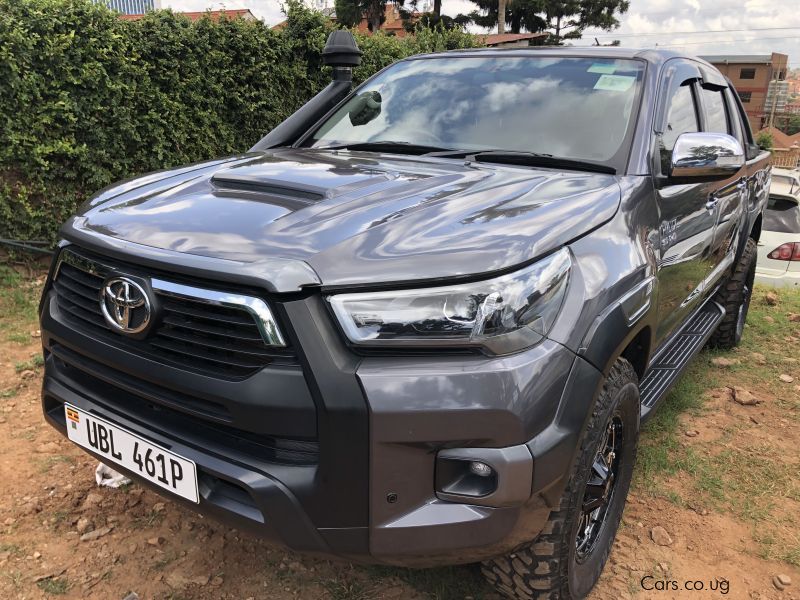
(681, 118)
(568, 107)
(714, 107)
(782, 215)
(747, 74)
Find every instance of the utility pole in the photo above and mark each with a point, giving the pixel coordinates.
(774, 101)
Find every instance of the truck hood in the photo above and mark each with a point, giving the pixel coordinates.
(354, 218)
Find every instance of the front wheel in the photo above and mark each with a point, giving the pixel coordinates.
(566, 560)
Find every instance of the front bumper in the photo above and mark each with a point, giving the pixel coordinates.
(368, 493)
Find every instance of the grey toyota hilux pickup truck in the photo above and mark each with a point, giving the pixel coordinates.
(421, 321)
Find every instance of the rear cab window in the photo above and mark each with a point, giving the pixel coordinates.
(782, 215)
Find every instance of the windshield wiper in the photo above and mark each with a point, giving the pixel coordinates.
(388, 146)
(528, 159)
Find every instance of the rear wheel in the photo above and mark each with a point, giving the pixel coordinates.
(735, 296)
(566, 560)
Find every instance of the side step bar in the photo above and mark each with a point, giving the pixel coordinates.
(670, 362)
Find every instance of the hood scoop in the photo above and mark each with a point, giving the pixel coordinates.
(268, 187)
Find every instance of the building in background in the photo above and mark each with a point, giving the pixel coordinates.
(131, 7)
(214, 15)
(760, 81)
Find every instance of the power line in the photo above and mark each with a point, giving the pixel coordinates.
(616, 35)
(792, 37)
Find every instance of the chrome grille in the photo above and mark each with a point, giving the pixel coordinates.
(223, 334)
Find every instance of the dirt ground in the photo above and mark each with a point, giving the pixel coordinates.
(716, 501)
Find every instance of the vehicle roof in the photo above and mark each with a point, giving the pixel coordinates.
(650, 55)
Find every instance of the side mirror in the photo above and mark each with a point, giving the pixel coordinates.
(706, 155)
(366, 107)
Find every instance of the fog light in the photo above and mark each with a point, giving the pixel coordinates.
(480, 468)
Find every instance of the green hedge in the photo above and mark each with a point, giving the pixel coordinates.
(87, 99)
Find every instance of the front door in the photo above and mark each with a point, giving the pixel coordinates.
(687, 219)
(729, 200)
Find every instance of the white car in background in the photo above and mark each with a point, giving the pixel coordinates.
(779, 246)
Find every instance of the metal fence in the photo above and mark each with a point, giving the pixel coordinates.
(788, 158)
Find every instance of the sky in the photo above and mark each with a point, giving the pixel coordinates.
(693, 26)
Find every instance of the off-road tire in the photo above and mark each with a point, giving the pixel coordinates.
(547, 567)
(734, 296)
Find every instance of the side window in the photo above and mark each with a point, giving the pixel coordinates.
(681, 118)
(714, 108)
(739, 127)
(737, 112)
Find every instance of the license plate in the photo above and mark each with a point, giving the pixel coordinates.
(117, 445)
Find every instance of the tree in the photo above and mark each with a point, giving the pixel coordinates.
(520, 15)
(350, 12)
(501, 16)
(563, 19)
(436, 23)
(764, 140)
(792, 125)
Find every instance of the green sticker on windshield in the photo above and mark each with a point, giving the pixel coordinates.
(614, 83)
(608, 68)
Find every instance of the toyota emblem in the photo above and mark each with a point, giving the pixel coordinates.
(125, 305)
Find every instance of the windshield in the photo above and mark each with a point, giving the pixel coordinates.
(579, 108)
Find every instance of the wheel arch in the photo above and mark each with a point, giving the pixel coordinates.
(624, 330)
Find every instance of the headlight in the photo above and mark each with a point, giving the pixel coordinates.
(502, 315)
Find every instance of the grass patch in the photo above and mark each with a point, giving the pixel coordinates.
(14, 578)
(724, 474)
(59, 517)
(660, 452)
(774, 548)
(346, 589)
(9, 393)
(19, 300)
(55, 586)
(165, 560)
(12, 549)
(48, 462)
(18, 337)
(36, 361)
(153, 517)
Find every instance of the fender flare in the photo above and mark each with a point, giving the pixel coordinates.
(618, 325)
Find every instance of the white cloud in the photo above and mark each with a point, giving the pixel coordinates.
(661, 19)
(667, 21)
